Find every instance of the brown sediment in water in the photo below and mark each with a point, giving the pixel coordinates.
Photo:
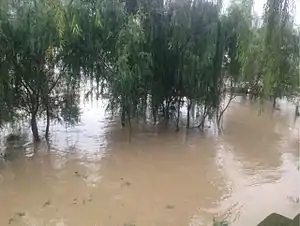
(159, 178)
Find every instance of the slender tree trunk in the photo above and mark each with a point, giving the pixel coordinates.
(189, 105)
(123, 117)
(222, 111)
(167, 113)
(123, 112)
(297, 112)
(34, 128)
(154, 113)
(47, 123)
(201, 125)
(219, 124)
(202, 122)
(133, 109)
(129, 122)
(154, 116)
(274, 102)
(193, 111)
(178, 114)
(163, 110)
(144, 103)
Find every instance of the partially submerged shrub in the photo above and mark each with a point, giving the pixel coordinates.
(220, 223)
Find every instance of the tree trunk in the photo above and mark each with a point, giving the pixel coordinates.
(167, 113)
(222, 111)
(219, 124)
(193, 111)
(129, 122)
(189, 105)
(47, 123)
(123, 117)
(34, 128)
(274, 102)
(163, 110)
(133, 109)
(144, 103)
(201, 125)
(297, 112)
(154, 111)
(178, 114)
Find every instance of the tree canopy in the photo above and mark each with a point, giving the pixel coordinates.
(149, 57)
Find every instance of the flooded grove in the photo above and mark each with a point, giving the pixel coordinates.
(92, 175)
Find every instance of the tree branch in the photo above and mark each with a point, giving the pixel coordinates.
(230, 99)
(27, 87)
(56, 81)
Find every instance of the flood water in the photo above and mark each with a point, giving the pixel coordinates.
(92, 175)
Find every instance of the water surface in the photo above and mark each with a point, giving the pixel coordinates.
(92, 175)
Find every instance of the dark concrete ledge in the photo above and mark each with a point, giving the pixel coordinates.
(278, 220)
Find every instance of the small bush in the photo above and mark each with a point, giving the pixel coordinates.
(220, 223)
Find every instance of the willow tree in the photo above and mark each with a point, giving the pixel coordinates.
(33, 33)
(181, 39)
(146, 55)
(90, 37)
(159, 83)
(92, 53)
(8, 98)
(202, 57)
(128, 86)
(238, 33)
(266, 54)
(280, 42)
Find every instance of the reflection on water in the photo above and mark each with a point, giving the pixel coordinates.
(92, 175)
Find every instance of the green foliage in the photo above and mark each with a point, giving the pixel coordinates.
(145, 55)
(220, 223)
(33, 34)
(281, 41)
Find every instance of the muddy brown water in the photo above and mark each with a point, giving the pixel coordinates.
(92, 175)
